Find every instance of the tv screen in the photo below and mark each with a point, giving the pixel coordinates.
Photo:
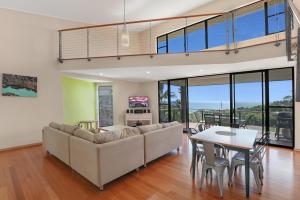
(138, 101)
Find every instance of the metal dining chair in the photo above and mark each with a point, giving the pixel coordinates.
(225, 120)
(256, 165)
(209, 120)
(213, 162)
(198, 147)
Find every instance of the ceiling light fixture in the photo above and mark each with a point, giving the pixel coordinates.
(147, 72)
(100, 74)
(125, 40)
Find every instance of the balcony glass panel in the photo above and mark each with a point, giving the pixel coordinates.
(176, 42)
(245, 28)
(195, 37)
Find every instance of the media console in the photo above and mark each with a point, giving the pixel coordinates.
(138, 116)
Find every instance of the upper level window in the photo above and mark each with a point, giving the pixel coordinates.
(176, 42)
(195, 37)
(162, 44)
(276, 16)
(217, 31)
(250, 22)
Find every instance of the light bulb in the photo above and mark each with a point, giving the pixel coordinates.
(125, 36)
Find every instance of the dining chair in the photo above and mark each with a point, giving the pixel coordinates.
(245, 123)
(213, 162)
(209, 120)
(225, 120)
(198, 147)
(256, 164)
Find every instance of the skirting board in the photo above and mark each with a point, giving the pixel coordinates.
(21, 147)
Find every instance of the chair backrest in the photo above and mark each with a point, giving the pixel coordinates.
(209, 119)
(209, 152)
(197, 116)
(261, 145)
(225, 120)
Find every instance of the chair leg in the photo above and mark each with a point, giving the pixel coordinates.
(255, 170)
(220, 180)
(202, 176)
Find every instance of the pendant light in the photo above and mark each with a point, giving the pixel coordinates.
(125, 41)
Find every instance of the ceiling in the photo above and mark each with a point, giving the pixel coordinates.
(144, 74)
(103, 11)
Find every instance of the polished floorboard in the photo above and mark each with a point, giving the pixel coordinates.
(30, 173)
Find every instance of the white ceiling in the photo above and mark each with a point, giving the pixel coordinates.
(103, 11)
(144, 74)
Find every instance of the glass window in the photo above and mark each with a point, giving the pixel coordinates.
(250, 22)
(176, 42)
(276, 16)
(163, 101)
(162, 44)
(195, 37)
(217, 31)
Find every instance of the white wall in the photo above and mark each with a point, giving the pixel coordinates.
(150, 89)
(29, 46)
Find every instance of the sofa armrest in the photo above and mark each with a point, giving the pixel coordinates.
(162, 141)
(120, 157)
(56, 143)
(84, 159)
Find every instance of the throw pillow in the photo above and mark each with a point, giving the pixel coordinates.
(84, 134)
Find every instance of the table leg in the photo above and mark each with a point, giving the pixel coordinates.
(193, 159)
(247, 172)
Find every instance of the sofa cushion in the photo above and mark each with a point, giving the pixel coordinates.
(55, 125)
(104, 137)
(129, 131)
(159, 126)
(148, 128)
(84, 134)
(165, 125)
(68, 128)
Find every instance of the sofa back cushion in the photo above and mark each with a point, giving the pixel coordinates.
(104, 137)
(165, 125)
(68, 128)
(148, 128)
(129, 132)
(55, 125)
(84, 134)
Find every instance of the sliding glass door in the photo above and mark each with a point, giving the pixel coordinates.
(281, 107)
(261, 100)
(248, 101)
(178, 101)
(173, 101)
(209, 101)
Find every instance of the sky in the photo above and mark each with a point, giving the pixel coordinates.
(245, 92)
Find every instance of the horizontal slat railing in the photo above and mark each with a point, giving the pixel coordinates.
(104, 40)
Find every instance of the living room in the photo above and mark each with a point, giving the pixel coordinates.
(87, 66)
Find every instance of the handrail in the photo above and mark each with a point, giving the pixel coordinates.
(294, 10)
(159, 19)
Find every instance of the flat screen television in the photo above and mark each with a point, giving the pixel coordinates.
(138, 101)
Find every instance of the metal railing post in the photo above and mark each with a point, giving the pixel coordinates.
(88, 44)
(60, 47)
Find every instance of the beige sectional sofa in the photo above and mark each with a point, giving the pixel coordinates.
(102, 163)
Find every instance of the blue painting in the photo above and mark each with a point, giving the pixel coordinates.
(16, 85)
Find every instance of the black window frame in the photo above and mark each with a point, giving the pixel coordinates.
(267, 32)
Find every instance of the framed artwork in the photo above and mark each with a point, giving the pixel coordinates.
(16, 85)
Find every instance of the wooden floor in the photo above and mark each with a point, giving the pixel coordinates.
(32, 174)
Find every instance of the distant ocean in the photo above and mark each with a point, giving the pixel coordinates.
(217, 105)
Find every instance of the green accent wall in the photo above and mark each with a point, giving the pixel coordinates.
(79, 98)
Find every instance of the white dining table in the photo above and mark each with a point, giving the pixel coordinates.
(237, 139)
